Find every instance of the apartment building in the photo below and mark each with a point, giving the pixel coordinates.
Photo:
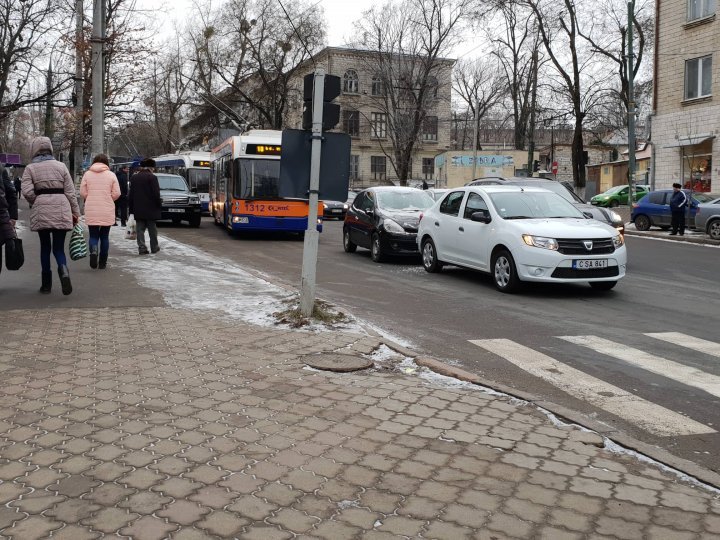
(686, 122)
(366, 119)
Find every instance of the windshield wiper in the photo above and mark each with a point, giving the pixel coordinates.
(519, 217)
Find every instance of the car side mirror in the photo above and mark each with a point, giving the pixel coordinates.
(587, 215)
(481, 217)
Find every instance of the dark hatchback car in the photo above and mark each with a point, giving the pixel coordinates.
(563, 189)
(334, 210)
(178, 202)
(385, 221)
(653, 210)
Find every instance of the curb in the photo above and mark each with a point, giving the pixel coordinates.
(660, 455)
(700, 240)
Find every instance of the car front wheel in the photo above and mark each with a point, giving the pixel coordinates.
(348, 245)
(376, 253)
(195, 221)
(642, 222)
(713, 229)
(430, 261)
(614, 204)
(504, 272)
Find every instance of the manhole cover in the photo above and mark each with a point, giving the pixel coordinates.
(337, 362)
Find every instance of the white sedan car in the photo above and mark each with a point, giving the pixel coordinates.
(520, 234)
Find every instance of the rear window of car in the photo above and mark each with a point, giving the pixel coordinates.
(655, 197)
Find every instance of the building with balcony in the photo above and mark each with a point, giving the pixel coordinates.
(686, 100)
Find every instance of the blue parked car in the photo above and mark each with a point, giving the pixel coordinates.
(653, 210)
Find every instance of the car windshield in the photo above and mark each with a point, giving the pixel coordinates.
(704, 197)
(171, 182)
(614, 190)
(561, 190)
(404, 200)
(533, 204)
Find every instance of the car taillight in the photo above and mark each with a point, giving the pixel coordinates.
(421, 216)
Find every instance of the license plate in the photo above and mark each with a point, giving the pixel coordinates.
(178, 210)
(589, 264)
(241, 220)
(336, 211)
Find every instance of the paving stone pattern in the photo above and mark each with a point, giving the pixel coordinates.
(159, 423)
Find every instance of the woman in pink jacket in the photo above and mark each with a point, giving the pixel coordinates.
(100, 189)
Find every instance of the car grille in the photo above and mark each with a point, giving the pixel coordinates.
(175, 200)
(572, 273)
(602, 246)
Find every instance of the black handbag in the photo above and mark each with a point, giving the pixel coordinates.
(14, 255)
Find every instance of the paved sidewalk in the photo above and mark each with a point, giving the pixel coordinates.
(163, 423)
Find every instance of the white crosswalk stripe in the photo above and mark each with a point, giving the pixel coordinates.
(649, 416)
(689, 342)
(667, 368)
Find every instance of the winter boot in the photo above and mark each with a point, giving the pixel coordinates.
(94, 257)
(103, 262)
(46, 283)
(64, 274)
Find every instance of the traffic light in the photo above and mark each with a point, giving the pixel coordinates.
(536, 165)
(331, 111)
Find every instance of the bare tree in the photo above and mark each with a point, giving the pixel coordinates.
(407, 42)
(481, 85)
(27, 29)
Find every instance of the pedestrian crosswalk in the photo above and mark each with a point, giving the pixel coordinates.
(646, 414)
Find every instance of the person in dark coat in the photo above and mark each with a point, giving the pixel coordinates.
(8, 209)
(121, 205)
(145, 205)
(18, 187)
(678, 205)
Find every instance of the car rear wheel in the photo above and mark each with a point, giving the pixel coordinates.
(642, 222)
(504, 272)
(614, 204)
(348, 244)
(603, 285)
(430, 261)
(713, 229)
(376, 253)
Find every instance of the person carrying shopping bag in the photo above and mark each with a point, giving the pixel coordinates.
(49, 189)
(100, 189)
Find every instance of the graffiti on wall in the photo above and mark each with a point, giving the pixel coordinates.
(482, 161)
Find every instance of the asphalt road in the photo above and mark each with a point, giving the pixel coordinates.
(670, 287)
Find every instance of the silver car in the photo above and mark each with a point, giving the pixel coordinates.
(707, 217)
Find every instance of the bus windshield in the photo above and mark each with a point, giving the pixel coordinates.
(259, 178)
(199, 179)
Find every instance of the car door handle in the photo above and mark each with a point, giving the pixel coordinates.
(461, 229)
(437, 223)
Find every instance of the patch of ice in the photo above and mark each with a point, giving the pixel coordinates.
(383, 333)
(382, 353)
(347, 504)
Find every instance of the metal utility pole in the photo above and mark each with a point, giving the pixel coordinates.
(49, 131)
(98, 76)
(79, 99)
(312, 236)
(631, 103)
(475, 137)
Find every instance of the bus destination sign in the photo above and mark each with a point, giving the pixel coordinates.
(264, 149)
(203, 163)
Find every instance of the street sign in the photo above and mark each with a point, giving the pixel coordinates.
(554, 168)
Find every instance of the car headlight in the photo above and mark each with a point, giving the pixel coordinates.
(194, 200)
(393, 226)
(618, 240)
(345, 207)
(325, 206)
(540, 242)
(615, 217)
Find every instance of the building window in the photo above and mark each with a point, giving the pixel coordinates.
(697, 9)
(378, 123)
(430, 128)
(698, 77)
(378, 88)
(351, 123)
(377, 167)
(428, 167)
(350, 82)
(354, 167)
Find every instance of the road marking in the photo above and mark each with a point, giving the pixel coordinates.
(689, 342)
(667, 368)
(649, 416)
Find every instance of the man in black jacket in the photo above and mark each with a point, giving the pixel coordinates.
(145, 205)
(121, 204)
(8, 209)
(678, 205)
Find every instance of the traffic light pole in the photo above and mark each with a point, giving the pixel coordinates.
(631, 104)
(312, 236)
